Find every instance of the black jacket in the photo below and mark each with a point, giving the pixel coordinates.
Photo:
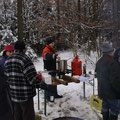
(108, 74)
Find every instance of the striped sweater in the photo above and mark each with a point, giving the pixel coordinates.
(22, 77)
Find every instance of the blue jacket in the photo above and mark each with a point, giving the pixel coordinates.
(2, 62)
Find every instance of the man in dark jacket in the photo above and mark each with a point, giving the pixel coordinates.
(49, 58)
(107, 71)
(22, 79)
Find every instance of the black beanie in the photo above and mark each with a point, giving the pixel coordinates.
(49, 40)
(19, 45)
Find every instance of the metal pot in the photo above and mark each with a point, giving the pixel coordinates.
(61, 65)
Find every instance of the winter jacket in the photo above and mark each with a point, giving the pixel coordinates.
(22, 77)
(2, 62)
(49, 58)
(108, 75)
(5, 109)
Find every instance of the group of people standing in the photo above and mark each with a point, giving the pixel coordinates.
(18, 81)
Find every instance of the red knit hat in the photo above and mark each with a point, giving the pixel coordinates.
(8, 47)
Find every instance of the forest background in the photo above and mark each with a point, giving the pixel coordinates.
(75, 24)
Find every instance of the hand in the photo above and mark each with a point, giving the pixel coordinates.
(58, 57)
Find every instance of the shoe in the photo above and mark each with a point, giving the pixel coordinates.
(58, 96)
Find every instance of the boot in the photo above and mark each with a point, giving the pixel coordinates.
(58, 96)
(105, 115)
(113, 117)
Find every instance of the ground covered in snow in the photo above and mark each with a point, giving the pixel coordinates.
(72, 104)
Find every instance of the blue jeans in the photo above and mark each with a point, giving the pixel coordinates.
(112, 106)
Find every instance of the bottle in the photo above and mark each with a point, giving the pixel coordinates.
(84, 70)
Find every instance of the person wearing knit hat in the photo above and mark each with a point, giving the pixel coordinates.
(49, 40)
(6, 108)
(8, 51)
(49, 59)
(19, 45)
(8, 48)
(108, 76)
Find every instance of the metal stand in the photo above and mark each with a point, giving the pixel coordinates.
(45, 106)
(84, 90)
(92, 84)
(38, 99)
(45, 103)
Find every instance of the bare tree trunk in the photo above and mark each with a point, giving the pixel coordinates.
(58, 20)
(79, 17)
(118, 23)
(20, 19)
(58, 10)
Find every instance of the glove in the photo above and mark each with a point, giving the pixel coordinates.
(41, 77)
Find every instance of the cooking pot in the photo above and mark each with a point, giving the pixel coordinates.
(61, 65)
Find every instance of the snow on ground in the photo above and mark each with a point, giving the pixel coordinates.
(72, 104)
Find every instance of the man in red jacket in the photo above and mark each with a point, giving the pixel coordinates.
(49, 58)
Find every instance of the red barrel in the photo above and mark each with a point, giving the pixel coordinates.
(76, 66)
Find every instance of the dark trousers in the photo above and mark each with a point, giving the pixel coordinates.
(6, 116)
(55, 94)
(10, 101)
(113, 106)
(24, 110)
